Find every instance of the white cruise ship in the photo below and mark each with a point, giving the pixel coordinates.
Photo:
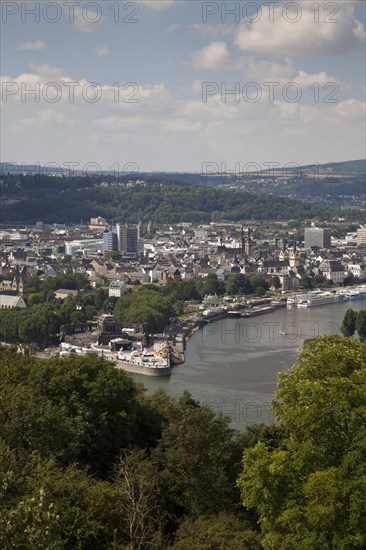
(320, 299)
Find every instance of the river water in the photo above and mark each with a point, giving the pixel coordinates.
(232, 364)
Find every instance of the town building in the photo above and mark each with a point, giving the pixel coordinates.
(316, 237)
(72, 248)
(361, 236)
(11, 302)
(333, 270)
(63, 293)
(127, 237)
(357, 270)
(117, 289)
(110, 241)
(98, 224)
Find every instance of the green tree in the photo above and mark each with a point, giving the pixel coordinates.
(78, 409)
(238, 284)
(184, 290)
(100, 297)
(306, 282)
(31, 525)
(348, 326)
(310, 493)
(145, 305)
(349, 280)
(212, 285)
(35, 298)
(45, 506)
(194, 456)
(260, 286)
(221, 532)
(275, 281)
(361, 324)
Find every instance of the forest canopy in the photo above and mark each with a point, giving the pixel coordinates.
(89, 460)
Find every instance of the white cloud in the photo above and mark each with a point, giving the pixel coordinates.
(46, 70)
(153, 132)
(89, 20)
(213, 109)
(337, 33)
(352, 109)
(214, 31)
(102, 51)
(284, 73)
(197, 87)
(214, 56)
(359, 31)
(122, 123)
(181, 125)
(173, 27)
(44, 118)
(157, 5)
(37, 45)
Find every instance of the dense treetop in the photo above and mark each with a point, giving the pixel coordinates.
(88, 460)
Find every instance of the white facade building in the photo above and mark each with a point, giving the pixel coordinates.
(73, 247)
(358, 270)
(117, 289)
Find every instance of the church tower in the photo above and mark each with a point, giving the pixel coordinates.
(16, 280)
(248, 243)
(23, 282)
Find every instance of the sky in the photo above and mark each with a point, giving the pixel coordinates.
(182, 85)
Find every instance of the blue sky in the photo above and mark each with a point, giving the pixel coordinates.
(169, 55)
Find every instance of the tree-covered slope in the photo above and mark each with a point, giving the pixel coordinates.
(52, 199)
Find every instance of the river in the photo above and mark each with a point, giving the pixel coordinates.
(232, 364)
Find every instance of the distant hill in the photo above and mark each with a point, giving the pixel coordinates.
(340, 184)
(342, 168)
(26, 199)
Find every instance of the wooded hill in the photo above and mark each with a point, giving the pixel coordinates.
(26, 199)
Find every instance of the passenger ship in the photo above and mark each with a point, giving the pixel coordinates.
(315, 299)
(321, 299)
